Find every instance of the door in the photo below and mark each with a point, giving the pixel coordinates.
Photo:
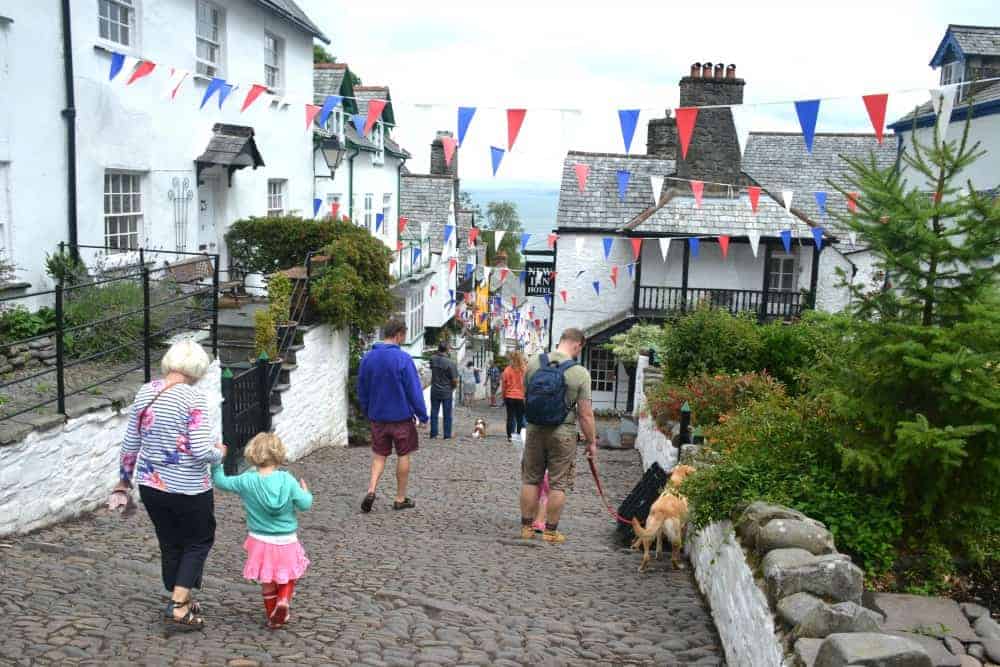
(603, 377)
(208, 239)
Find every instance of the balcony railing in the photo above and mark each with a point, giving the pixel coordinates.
(660, 301)
(406, 262)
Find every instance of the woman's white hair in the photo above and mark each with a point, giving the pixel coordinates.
(187, 357)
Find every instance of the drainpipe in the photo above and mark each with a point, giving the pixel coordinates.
(69, 113)
(350, 183)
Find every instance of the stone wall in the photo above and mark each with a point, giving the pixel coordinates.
(36, 354)
(714, 152)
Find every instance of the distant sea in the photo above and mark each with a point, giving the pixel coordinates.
(536, 205)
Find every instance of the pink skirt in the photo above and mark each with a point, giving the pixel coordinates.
(274, 563)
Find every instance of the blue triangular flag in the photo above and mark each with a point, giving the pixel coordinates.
(468, 270)
(359, 123)
(597, 287)
(631, 269)
(379, 219)
(448, 229)
(548, 299)
(465, 115)
(623, 177)
(329, 104)
(496, 154)
(517, 316)
(524, 241)
(821, 202)
(214, 86)
(693, 242)
(451, 295)
(607, 246)
(117, 62)
(523, 275)
(807, 111)
(628, 118)
(224, 92)
(786, 239)
(818, 237)
(316, 204)
(416, 254)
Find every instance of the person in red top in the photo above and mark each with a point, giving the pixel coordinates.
(512, 386)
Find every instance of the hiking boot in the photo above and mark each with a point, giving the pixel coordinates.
(527, 533)
(553, 537)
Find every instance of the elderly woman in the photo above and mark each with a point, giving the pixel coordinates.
(168, 447)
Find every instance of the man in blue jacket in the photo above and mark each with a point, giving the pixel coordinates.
(392, 399)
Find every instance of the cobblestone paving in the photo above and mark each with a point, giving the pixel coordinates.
(444, 583)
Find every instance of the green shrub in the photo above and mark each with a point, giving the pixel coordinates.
(63, 266)
(354, 287)
(711, 340)
(790, 351)
(710, 397)
(265, 335)
(279, 295)
(266, 245)
(629, 345)
(18, 323)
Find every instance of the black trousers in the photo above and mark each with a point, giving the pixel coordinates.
(185, 529)
(515, 415)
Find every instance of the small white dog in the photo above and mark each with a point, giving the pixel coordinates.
(479, 431)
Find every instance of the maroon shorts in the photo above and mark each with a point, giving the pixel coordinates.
(387, 434)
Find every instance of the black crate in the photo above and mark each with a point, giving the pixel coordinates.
(640, 500)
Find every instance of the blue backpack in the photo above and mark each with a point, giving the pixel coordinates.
(545, 395)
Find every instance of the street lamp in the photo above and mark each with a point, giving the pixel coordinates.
(333, 152)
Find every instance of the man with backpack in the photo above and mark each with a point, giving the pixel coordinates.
(557, 403)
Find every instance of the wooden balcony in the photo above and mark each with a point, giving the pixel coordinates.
(659, 302)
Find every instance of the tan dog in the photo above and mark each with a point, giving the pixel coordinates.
(479, 430)
(667, 516)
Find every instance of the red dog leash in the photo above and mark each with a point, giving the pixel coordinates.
(600, 491)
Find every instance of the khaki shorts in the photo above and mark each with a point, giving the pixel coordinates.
(552, 449)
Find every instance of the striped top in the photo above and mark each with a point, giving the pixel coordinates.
(175, 439)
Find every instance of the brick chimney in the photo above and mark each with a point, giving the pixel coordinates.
(714, 152)
(438, 165)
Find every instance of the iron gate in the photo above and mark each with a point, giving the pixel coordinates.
(246, 409)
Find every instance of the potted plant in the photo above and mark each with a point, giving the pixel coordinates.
(265, 343)
(279, 294)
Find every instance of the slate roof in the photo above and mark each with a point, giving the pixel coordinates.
(291, 11)
(463, 221)
(977, 40)
(979, 94)
(779, 161)
(365, 94)
(598, 206)
(329, 79)
(426, 201)
(677, 215)
(231, 145)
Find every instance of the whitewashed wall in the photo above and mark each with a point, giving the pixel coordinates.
(68, 470)
(984, 172)
(584, 308)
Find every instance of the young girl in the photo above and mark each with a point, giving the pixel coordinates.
(271, 497)
(543, 501)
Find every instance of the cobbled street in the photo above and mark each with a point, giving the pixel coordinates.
(445, 583)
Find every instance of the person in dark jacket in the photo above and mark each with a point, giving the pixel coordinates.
(444, 379)
(392, 399)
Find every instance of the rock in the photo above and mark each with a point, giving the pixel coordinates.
(969, 661)
(689, 454)
(938, 617)
(992, 649)
(831, 577)
(976, 651)
(5, 368)
(825, 619)
(757, 514)
(794, 534)
(973, 611)
(12, 432)
(39, 344)
(935, 648)
(987, 628)
(77, 406)
(955, 646)
(796, 607)
(806, 650)
(868, 649)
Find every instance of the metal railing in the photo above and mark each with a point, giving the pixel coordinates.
(659, 301)
(413, 258)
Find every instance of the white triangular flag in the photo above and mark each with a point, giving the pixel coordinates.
(486, 274)
(175, 79)
(128, 68)
(853, 236)
(578, 244)
(497, 238)
(742, 122)
(656, 182)
(943, 99)
(786, 196)
(664, 248)
(754, 236)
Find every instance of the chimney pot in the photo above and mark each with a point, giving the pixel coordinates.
(695, 70)
(731, 71)
(718, 70)
(706, 71)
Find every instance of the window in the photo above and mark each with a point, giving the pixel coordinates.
(953, 72)
(369, 198)
(782, 273)
(273, 48)
(378, 138)
(386, 210)
(415, 314)
(116, 21)
(276, 197)
(335, 123)
(122, 210)
(602, 369)
(209, 39)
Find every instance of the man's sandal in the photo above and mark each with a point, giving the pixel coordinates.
(186, 623)
(366, 504)
(405, 504)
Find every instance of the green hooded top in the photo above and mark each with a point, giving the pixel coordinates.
(270, 500)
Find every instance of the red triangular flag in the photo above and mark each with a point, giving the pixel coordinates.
(312, 110)
(552, 276)
(514, 119)
(852, 201)
(697, 187)
(433, 289)
(399, 245)
(503, 274)
(754, 192)
(636, 248)
(552, 240)
(449, 144)
(402, 223)
(255, 92)
(513, 301)
(144, 68)
(334, 209)
(686, 117)
(582, 170)
(724, 244)
(473, 235)
(876, 112)
(614, 275)
(374, 111)
(563, 294)
(452, 263)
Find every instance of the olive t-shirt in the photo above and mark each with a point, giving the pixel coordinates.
(577, 381)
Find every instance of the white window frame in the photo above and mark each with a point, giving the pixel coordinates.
(108, 24)
(274, 70)
(129, 211)
(953, 72)
(277, 197)
(414, 313)
(788, 266)
(603, 369)
(335, 123)
(386, 212)
(208, 68)
(378, 139)
(368, 211)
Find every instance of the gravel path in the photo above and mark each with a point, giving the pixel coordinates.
(444, 583)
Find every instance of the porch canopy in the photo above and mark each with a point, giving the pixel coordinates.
(231, 147)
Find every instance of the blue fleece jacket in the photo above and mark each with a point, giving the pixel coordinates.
(388, 386)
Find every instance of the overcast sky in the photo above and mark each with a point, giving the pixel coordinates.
(547, 55)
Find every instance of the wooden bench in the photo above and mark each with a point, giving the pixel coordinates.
(196, 269)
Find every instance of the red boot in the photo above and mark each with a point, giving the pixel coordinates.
(280, 614)
(270, 594)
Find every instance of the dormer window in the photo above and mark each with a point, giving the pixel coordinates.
(953, 72)
(378, 138)
(335, 123)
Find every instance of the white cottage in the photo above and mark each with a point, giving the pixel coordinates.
(125, 165)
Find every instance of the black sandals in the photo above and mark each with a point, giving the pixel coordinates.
(186, 623)
(406, 504)
(366, 504)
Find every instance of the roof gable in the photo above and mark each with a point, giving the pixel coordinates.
(968, 40)
(287, 9)
(365, 94)
(334, 79)
(426, 201)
